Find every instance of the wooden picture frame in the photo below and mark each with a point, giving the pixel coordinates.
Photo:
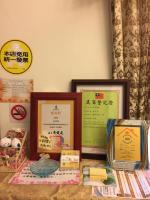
(116, 89)
(55, 123)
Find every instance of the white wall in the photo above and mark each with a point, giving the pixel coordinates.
(69, 39)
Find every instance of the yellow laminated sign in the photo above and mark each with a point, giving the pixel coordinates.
(98, 174)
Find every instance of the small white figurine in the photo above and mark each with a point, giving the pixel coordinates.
(5, 142)
(16, 143)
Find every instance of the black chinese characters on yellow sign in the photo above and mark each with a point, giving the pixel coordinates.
(15, 57)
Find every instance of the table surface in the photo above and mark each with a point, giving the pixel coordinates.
(46, 192)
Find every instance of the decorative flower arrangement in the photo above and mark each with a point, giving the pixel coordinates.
(12, 148)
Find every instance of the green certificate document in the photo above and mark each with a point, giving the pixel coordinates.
(97, 108)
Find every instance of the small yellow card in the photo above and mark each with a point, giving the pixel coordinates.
(98, 173)
(70, 159)
(127, 143)
(97, 178)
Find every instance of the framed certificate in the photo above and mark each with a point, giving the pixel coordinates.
(101, 100)
(127, 141)
(55, 123)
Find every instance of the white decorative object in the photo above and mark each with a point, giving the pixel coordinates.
(16, 143)
(5, 142)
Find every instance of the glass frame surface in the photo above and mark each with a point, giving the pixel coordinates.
(131, 136)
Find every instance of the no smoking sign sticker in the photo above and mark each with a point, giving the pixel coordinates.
(18, 112)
